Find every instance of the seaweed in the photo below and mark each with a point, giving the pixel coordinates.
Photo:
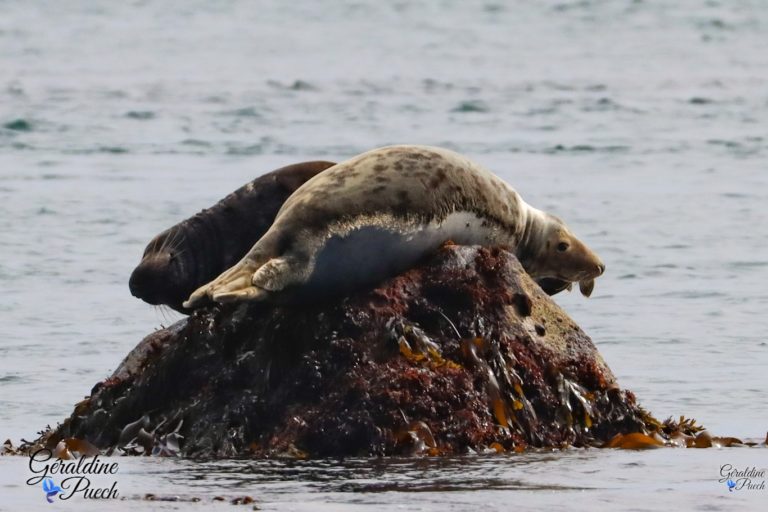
(462, 354)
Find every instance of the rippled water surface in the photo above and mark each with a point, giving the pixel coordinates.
(564, 481)
(643, 124)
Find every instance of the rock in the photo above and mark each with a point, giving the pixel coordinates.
(465, 353)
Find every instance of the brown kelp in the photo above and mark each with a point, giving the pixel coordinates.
(463, 354)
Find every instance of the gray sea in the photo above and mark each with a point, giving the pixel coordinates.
(644, 124)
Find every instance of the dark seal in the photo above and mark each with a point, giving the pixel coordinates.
(193, 252)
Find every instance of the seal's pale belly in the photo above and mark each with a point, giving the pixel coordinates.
(375, 251)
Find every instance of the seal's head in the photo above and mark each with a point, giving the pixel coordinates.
(182, 258)
(163, 274)
(561, 257)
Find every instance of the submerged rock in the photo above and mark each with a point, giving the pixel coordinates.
(465, 353)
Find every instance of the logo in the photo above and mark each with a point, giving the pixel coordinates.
(50, 489)
(78, 477)
(747, 479)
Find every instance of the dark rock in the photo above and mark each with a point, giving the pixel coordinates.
(464, 353)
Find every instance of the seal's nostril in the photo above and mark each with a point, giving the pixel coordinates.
(601, 268)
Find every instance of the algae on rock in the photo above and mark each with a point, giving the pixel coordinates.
(463, 353)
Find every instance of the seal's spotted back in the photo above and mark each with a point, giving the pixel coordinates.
(403, 201)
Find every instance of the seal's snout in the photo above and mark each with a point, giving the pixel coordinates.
(132, 285)
(600, 268)
(146, 280)
(139, 283)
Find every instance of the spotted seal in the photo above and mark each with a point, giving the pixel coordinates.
(191, 253)
(379, 213)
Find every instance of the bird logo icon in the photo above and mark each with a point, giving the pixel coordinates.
(50, 489)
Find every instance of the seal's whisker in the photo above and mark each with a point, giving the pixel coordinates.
(153, 246)
(169, 240)
(159, 314)
(178, 236)
(167, 314)
(178, 242)
(161, 247)
(177, 252)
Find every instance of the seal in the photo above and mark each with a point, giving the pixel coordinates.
(377, 214)
(191, 253)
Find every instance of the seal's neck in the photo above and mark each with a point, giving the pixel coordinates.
(534, 233)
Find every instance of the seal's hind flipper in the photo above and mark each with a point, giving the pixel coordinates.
(552, 285)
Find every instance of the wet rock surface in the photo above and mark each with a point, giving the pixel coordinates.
(464, 353)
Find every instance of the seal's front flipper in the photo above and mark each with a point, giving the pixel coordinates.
(227, 286)
(274, 275)
(552, 285)
(586, 287)
(235, 284)
(198, 297)
(245, 285)
(247, 293)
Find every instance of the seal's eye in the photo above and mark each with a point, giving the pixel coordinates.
(562, 246)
